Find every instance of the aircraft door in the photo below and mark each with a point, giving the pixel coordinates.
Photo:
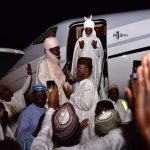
(75, 32)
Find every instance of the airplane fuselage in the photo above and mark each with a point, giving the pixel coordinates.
(127, 38)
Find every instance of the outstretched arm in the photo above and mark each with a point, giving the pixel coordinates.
(140, 99)
(26, 84)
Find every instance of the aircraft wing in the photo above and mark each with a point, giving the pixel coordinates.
(13, 51)
(8, 58)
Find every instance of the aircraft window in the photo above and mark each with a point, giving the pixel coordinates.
(48, 32)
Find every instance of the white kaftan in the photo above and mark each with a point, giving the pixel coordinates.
(84, 101)
(45, 72)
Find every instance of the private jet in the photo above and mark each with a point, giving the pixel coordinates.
(125, 38)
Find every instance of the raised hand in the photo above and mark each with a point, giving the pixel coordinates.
(29, 69)
(94, 44)
(142, 101)
(139, 98)
(53, 97)
(81, 44)
(67, 91)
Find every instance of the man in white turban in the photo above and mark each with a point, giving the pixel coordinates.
(48, 67)
(89, 46)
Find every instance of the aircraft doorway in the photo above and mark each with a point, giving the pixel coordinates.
(75, 32)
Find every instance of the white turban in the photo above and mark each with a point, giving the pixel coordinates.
(89, 23)
(50, 42)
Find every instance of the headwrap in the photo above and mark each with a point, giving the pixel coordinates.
(89, 23)
(65, 121)
(50, 42)
(39, 88)
(85, 61)
(112, 86)
(107, 121)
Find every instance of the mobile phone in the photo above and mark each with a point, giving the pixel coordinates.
(50, 85)
(136, 63)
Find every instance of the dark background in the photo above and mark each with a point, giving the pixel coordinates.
(22, 21)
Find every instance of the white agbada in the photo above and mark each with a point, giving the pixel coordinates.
(45, 72)
(88, 51)
(17, 104)
(84, 101)
(114, 140)
(48, 69)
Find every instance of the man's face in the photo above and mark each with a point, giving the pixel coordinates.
(81, 70)
(88, 31)
(114, 94)
(55, 51)
(39, 98)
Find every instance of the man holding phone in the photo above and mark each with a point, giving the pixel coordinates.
(29, 118)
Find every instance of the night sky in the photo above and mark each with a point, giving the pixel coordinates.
(21, 21)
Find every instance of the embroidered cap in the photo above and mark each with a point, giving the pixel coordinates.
(107, 121)
(65, 122)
